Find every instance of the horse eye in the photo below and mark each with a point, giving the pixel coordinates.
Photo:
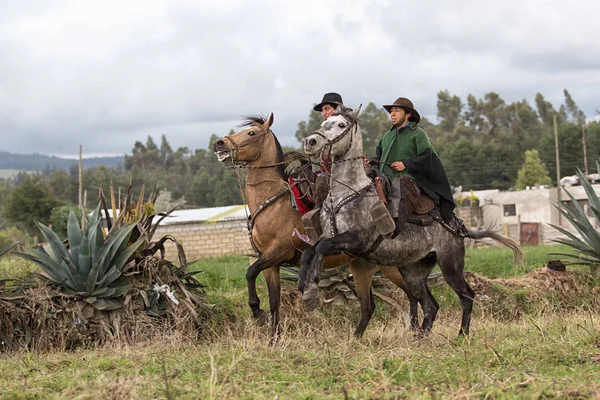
(342, 125)
(251, 133)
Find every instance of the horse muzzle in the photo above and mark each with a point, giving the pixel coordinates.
(312, 145)
(221, 150)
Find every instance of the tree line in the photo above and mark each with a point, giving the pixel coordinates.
(482, 143)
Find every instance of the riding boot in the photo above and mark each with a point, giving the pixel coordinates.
(396, 206)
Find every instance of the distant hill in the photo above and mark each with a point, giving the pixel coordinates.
(37, 162)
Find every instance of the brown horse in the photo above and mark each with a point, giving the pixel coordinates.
(273, 221)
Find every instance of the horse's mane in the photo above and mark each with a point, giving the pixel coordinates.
(347, 113)
(258, 121)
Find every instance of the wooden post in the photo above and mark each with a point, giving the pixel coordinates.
(556, 149)
(83, 219)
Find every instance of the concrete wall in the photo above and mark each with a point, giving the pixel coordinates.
(536, 205)
(207, 239)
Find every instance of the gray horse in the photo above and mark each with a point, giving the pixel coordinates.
(347, 227)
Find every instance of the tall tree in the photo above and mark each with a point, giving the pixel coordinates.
(474, 114)
(374, 122)
(493, 108)
(165, 150)
(306, 128)
(573, 110)
(449, 110)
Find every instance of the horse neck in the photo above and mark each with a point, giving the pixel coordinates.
(348, 177)
(263, 179)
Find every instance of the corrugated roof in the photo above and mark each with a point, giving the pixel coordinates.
(211, 214)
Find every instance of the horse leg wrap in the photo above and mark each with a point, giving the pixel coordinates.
(312, 224)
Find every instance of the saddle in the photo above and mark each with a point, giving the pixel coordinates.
(404, 199)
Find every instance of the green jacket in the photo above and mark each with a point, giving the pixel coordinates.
(403, 145)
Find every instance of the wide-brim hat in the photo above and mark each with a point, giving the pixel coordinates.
(329, 98)
(407, 105)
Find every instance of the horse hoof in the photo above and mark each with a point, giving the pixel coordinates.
(310, 299)
(260, 318)
(420, 333)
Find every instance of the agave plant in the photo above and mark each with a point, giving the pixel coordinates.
(92, 267)
(588, 245)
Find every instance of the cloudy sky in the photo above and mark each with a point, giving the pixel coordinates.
(105, 74)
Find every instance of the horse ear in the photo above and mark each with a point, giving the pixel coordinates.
(269, 122)
(356, 111)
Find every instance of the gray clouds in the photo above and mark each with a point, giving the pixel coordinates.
(107, 74)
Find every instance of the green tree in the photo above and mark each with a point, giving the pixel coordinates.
(449, 110)
(61, 185)
(60, 216)
(374, 122)
(533, 171)
(165, 150)
(577, 116)
(307, 128)
(30, 201)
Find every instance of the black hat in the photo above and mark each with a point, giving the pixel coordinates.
(329, 98)
(407, 105)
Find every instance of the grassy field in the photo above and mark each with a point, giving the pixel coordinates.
(542, 353)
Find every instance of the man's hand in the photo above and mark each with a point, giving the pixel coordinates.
(398, 166)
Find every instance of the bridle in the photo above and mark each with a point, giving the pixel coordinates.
(236, 147)
(331, 142)
(251, 218)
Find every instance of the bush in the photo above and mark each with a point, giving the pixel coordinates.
(11, 235)
(59, 217)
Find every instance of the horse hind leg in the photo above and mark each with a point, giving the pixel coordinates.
(394, 275)
(452, 266)
(415, 276)
(363, 272)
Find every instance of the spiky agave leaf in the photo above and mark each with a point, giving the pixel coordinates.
(587, 245)
(92, 266)
(7, 249)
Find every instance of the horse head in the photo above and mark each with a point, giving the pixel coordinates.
(338, 135)
(247, 144)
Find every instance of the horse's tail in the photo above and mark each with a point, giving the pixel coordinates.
(518, 256)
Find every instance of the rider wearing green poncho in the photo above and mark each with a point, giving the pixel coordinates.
(406, 150)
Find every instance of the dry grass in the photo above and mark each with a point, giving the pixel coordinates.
(544, 355)
(533, 336)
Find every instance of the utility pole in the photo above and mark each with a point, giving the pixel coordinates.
(83, 219)
(557, 165)
(585, 163)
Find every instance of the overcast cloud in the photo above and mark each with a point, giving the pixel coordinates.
(107, 74)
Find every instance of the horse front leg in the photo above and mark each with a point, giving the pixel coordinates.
(259, 265)
(309, 291)
(312, 263)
